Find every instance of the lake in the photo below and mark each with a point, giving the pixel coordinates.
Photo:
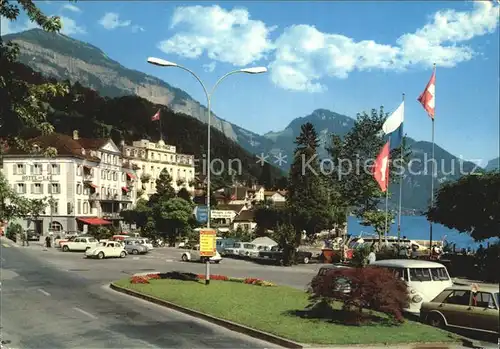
(417, 228)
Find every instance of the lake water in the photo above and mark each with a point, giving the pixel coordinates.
(417, 228)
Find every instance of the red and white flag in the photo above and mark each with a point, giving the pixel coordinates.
(156, 117)
(428, 97)
(381, 168)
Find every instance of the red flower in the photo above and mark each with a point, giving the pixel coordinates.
(139, 279)
(213, 277)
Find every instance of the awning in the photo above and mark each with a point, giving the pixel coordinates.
(131, 176)
(94, 221)
(125, 189)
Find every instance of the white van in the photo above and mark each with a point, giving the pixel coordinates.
(425, 279)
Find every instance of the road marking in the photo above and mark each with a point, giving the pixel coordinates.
(135, 258)
(43, 292)
(85, 313)
(169, 260)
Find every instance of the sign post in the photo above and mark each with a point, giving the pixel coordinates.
(208, 248)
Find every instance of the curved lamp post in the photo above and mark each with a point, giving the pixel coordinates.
(252, 70)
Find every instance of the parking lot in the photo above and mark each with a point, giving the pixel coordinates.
(167, 259)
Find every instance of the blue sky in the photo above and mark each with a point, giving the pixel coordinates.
(343, 56)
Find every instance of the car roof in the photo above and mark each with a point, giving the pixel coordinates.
(480, 288)
(407, 263)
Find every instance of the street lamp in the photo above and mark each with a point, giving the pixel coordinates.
(251, 70)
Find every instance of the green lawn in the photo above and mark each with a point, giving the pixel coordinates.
(269, 309)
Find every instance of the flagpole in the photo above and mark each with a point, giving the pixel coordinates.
(386, 210)
(161, 129)
(432, 174)
(400, 189)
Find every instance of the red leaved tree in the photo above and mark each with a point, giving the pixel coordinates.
(363, 288)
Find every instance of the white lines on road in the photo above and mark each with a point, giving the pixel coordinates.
(169, 260)
(135, 258)
(43, 292)
(85, 313)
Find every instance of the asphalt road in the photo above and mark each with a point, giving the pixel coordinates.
(45, 306)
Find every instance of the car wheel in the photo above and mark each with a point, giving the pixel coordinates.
(184, 258)
(65, 248)
(135, 252)
(216, 262)
(436, 320)
(306, 260)
(122, 254)
(100, 255)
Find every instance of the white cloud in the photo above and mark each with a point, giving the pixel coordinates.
(136, 28)
(111, 20)
(210, 67)
(225, 36)
(69, 27)
(71, 8)
(303, 55)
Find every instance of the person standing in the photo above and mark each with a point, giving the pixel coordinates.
(372, 257)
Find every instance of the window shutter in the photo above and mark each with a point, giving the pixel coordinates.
(32, 188)
(49, 188)
(32, 169)
(14, 169)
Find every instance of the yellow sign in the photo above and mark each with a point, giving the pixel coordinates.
(208, 245)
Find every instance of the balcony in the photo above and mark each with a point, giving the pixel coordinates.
(116, 197)
(110, 215)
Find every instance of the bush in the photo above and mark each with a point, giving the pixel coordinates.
(12, 230)
(366, 288)
(360, 255)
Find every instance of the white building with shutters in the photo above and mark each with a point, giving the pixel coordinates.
(86, 182)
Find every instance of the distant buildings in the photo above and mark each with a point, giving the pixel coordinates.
(90, 181)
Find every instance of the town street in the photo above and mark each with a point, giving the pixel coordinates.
(44, 306)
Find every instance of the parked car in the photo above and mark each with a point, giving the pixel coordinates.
(81, 243)
(425, 280)
(194, 255)
(142, 241)
(276, 255)
(222, 244)
(464, 307)
(106, 249)
(135, 247)
(248, 250)
(234, 250)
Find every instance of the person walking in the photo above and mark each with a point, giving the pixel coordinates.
(372, 257)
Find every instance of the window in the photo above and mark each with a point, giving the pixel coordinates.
(483, 300)
(439, 274)
(420, 274)
(36, 169)
(124, 177)
(400, 273)
(458, 297)
(19, 169)
(56, 226)
(115, 159)
(79, 170)
(54, 188)
(85, 207)
(54, 169)
(54, 207)
(79, 206)
(79, 189)
(152, 156)
(103, 191)
(36, 188)
(115, 176)
(109, 175)
(103, 174)
(21, 188)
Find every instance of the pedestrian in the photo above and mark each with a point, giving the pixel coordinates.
(47, 241)
(372, 257)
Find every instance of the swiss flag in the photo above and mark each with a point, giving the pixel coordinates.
(156, 117)
(428, 97)
(381, 168)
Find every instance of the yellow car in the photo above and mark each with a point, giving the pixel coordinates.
(466, 307)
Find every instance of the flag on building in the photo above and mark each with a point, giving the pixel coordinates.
(428, 97)
(381, 168)
(156, 117)
(393, 126)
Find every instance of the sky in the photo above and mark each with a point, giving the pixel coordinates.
(344, 56)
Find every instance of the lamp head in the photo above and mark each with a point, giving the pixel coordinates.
(254, 70)
(161, 62)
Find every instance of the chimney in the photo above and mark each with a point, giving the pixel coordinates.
(75, 135)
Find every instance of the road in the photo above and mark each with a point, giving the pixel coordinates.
(60, 300)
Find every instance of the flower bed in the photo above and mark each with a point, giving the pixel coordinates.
(144, 279)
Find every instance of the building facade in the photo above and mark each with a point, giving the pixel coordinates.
(148, 159)
(85, 182)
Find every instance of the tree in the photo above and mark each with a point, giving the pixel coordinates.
(36, 207)
(173, 216)
(12, 205)
(164, 187)
(138, 215)
(378, 220)
(470, 205)
(307, 197)
(266, 178)
(286, 236)
(353, 187)
(23, 105)
(184, 194)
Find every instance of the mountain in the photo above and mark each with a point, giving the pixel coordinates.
(64, 58)
(493, 165)
(61, 57)
(128, 119)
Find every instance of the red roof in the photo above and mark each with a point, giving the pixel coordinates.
(94, 221)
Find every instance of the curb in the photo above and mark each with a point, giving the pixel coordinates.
(218, 321)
